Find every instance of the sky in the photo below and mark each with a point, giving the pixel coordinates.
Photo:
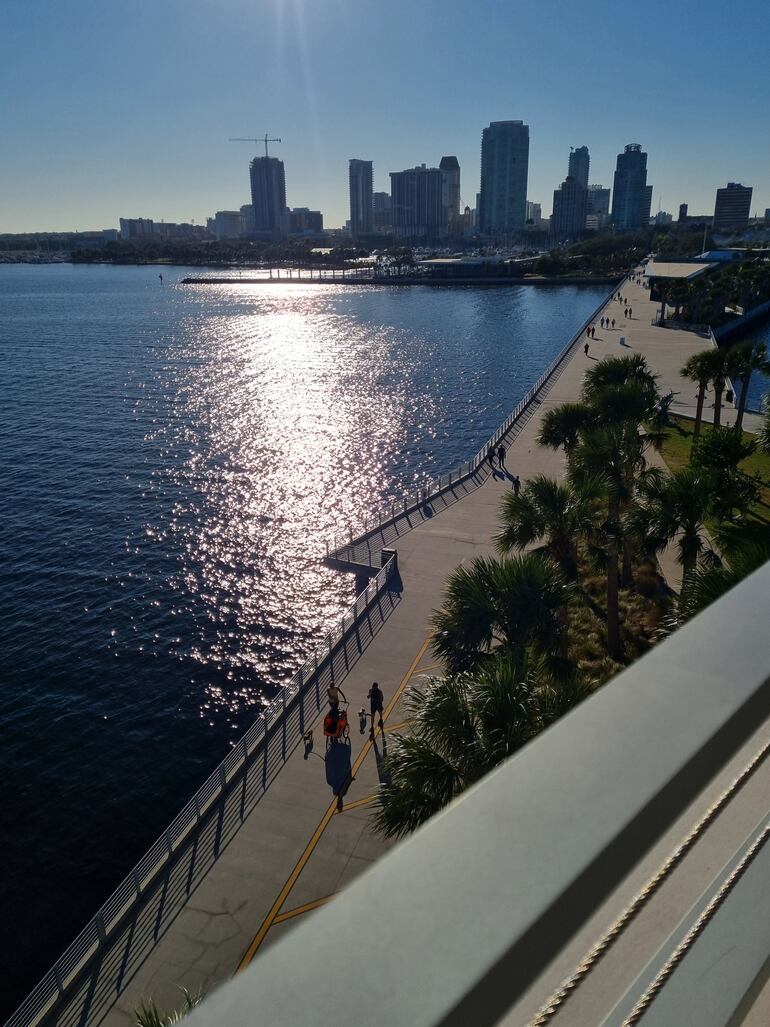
(123, 108)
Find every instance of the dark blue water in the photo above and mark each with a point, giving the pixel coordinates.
(173, 459)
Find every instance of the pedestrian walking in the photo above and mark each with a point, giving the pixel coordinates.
(625, 312)
(376, 700)
(588, 332)
(585, 349)
(613, 323)
(491, 457)
(593, 331)
(602, 322)
(630, 312)
(501, 453)
(516, 485)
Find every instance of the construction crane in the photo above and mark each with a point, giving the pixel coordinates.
(251, 139)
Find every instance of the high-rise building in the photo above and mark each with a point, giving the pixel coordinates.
(534, 214)
(598, 203)
(268, 196)
(247, 210)
(683, 208)
(579, 163)
(303, 220)
(631, 196)
(137, 228)
(416, 203)
(383, 217)
(361, 204)
(227, 224)
(569, 208)
(450, 191)
(733, 206)
(504, 167)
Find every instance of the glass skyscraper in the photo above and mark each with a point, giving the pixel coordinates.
(361, 197)
(504, 168)
(268, 195)
(631, 196)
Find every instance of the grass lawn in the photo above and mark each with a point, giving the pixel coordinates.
(676, 453)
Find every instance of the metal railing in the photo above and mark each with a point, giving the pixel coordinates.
(434, 487)
(85, 981)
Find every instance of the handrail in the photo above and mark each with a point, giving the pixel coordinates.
(84, 982)
(435, 487)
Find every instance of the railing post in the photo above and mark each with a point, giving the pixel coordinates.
(264, 762)
(245, 779)
(57, 978)
(300, 695)
(283, 722)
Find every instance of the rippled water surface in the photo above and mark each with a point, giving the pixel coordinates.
(173, 458)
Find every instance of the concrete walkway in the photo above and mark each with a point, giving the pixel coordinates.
(301, 844)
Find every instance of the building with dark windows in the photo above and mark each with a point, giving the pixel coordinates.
(579, 163)
(248, 217)
(569, 209)
(683, 208)
(631, 196)
(534, 213)
(303, 221)
(416, 204)
(504, 168)
(598, 204)
(733, 206)
(268, 196)
(361, 200)
(383, 217)
(450, 192)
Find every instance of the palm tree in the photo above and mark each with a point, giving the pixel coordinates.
(676, 506)
(700, 368)
(555, 513)
(615, 372)
(148, 1014)
(744, 359)
(561, 426)
(602, 452)
(511, 604)
(763, 435)
(720, 371)
(709, 583)
(461, 728)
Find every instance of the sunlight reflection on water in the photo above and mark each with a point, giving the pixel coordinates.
(175, 459)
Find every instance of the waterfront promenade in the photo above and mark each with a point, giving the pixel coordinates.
(302, 843)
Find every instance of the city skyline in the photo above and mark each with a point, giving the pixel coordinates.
(126, 110)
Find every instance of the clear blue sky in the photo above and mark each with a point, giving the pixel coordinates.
(124, 107)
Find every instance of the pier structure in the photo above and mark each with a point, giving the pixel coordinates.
(282, 827)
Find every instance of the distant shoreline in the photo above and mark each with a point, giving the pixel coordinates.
(404, 280)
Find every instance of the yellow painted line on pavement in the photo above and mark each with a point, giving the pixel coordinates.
(305, 908)
(397, 727)
(430, 667)
(269, 920)
(367, 799)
